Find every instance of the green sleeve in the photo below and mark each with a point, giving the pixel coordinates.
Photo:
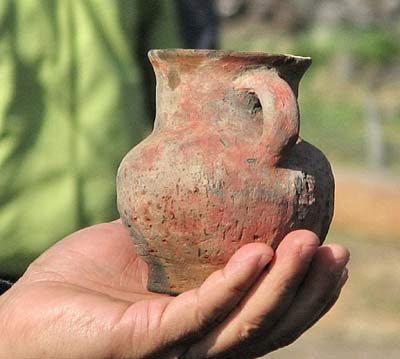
(72, 103)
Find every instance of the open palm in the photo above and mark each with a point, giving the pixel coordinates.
(86, 297)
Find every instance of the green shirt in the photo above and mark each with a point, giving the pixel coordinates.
(72, 103)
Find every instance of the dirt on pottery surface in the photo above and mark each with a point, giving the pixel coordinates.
(365, 323)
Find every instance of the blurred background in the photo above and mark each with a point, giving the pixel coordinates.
(78, 93)
(350, 109)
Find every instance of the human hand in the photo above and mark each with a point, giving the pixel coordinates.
(86, 297)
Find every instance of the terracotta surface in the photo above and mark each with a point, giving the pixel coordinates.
(224, 165)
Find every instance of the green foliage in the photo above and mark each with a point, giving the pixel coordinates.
(367, 47)
(376, 47)
(336, 127)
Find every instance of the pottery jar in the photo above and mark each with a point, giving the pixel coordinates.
(224, 165)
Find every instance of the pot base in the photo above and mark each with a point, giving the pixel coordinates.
(173, 281)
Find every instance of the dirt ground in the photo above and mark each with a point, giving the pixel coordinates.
(368, 204)
(365, 323)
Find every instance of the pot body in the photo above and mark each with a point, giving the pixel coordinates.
(223, 167)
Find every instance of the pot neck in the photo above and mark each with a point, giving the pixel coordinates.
(187, 79)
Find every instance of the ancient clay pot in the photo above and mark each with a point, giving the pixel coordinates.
(224, 165)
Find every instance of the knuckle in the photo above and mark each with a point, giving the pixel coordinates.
(246, 331)
(234, 288)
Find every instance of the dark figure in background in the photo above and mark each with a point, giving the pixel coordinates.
(199, 23)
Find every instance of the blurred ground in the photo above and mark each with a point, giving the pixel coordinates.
(369, 204)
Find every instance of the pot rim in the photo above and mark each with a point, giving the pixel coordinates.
(261, 57)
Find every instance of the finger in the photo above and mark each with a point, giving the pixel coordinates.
(265, 303)
(201, 309)
(328, 307)
(169, 323)
(333, 300)
(315, 297)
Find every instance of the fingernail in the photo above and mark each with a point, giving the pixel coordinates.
(344, 277)
(309, 248)
(338, 268)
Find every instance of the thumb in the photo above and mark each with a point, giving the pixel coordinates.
(201, 309)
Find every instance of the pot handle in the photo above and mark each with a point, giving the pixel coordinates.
(280, 112)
